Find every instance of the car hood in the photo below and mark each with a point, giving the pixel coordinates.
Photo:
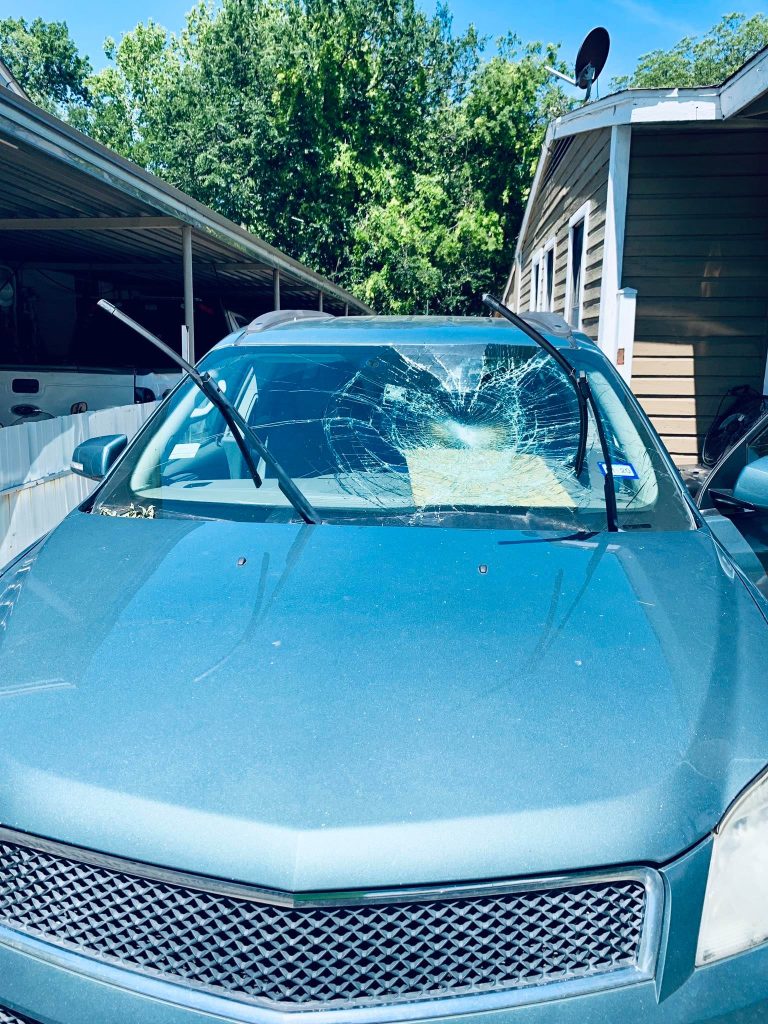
(366, 706)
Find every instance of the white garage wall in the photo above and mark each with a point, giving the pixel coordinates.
(37, 487)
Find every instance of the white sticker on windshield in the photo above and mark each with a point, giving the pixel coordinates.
(623, 469)
(184, 451)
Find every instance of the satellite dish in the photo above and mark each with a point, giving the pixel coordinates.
(590, 61)
(591, 58)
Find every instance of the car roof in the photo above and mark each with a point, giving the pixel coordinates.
(312, 327)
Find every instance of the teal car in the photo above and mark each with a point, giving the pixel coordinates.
(404, 681)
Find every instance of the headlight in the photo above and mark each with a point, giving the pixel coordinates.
(735, 914)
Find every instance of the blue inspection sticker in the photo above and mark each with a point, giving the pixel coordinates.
(622, 469)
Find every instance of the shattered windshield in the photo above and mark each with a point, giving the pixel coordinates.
(480, 434)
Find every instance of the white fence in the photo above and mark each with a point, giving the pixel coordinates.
(37, 487)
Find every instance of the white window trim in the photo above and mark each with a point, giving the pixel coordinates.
(537, 259)
(549, 246)
(518, 272)
(582, 214)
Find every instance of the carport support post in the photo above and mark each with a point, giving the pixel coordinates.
(320, 301)
(276, 289)
(188, 336)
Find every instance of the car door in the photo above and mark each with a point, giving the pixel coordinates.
(734, 501)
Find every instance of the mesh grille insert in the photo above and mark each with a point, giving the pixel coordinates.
(333, 956)
(9, 1017)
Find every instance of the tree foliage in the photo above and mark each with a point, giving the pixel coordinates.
(707, 60)
(364, 137)
(42, 56)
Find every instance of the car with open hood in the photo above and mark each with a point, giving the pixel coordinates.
(389, 674)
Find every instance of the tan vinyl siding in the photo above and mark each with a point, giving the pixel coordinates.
(580, 176)
(696, 250)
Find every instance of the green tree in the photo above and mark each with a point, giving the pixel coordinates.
(707, 60)
(45, 60)
(434, 241)
(504, 118)
(423, 252)
(364, 137)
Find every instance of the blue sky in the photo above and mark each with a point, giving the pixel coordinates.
(636, 26)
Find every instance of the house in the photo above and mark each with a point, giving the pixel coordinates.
(647, 228)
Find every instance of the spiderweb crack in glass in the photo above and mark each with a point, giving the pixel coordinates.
(459, 427)
(333, 956)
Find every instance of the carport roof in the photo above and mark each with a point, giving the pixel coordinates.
(68, 202)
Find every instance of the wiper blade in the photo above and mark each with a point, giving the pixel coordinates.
(585, 398)
(562, 362)
(243, 433)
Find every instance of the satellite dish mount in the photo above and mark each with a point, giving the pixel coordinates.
(590, 61)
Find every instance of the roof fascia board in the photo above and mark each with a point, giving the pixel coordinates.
(28, 123)
(745, 86)
(648, 106)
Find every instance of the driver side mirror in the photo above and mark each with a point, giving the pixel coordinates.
(752, 484)
(96, 456)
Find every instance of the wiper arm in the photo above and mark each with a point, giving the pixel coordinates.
(562, 362)
(243, 433)
(585, 398)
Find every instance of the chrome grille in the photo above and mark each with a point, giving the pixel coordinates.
(334, 954)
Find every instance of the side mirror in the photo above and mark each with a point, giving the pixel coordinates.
(752, 484)
(96, 456)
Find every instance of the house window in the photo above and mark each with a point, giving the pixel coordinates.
(535, 281)
(548, 290)
(543, 278)
(578, 228)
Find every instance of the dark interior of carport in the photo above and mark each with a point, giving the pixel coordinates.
(79, 223)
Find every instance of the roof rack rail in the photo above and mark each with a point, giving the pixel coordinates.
(286, 316)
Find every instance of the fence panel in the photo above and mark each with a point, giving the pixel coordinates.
(37, 487)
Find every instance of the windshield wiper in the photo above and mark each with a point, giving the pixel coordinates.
(585, 398)
(243, 433)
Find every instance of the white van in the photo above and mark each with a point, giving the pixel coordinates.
(34, 393)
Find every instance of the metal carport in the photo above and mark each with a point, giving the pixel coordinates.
(70, 205)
